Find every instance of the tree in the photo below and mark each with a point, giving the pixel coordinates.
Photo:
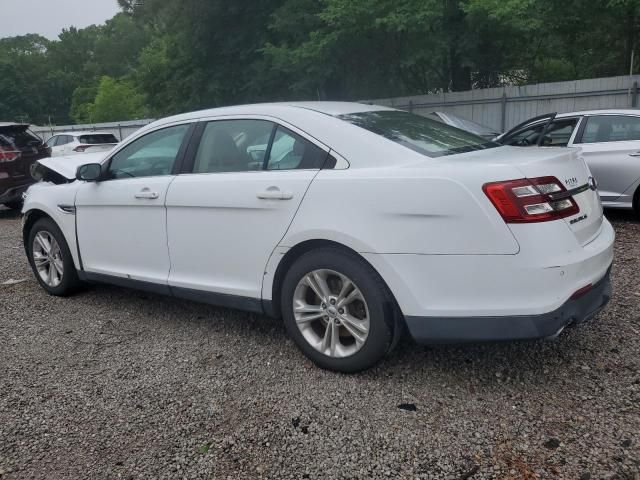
(116, 100)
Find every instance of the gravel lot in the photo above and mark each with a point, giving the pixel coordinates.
(114, 383)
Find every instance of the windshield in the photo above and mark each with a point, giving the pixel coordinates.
(98, 139)
(420, 134)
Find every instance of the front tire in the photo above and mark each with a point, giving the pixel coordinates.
(338, 310)
(50, 258)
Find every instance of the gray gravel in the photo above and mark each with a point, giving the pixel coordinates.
(114, 383)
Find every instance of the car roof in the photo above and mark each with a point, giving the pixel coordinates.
(77, 133)
(328, 108)
(610, 111)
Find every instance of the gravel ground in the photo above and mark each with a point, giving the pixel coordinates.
(114, 383)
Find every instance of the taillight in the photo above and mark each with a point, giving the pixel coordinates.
(80, 148)
(8, 155)
(531, 200)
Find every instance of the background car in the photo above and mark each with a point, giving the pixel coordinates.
(351, 222)
(465, 124)
(19, 150)
(70, 143)
(610, 144)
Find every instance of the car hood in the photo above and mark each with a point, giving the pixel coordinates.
(67, 166)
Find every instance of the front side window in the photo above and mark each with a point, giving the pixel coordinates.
(525, 137)
(151, 155)
(52, 141)
(423, 135)
(611, 128)
(290, 151)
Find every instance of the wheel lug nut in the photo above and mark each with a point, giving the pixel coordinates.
(324, 305)
(333, 301)
(341, 311)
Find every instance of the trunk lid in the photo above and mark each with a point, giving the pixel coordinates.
(568, 166)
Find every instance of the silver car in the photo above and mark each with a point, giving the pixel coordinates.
(610, 143)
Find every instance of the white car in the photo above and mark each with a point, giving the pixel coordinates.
(372, 219)
(70, 143)
(610, 143)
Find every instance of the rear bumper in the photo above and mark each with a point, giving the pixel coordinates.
(431, 330)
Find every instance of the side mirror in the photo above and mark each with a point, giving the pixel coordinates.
(91, 172)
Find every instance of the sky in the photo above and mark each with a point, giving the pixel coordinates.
(49, 17)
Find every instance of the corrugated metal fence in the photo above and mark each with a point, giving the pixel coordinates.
(503, 108)
(499, 108)
(120, 129)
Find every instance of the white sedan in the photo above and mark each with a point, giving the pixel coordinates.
(350, 221)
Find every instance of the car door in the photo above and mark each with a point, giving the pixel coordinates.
(226, 216)
(121, 220)
(57, 149)
(611, 147)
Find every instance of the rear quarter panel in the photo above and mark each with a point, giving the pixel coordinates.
(405, 210)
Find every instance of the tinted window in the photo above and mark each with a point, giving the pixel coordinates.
(611, 128)
(525, 137)
(63, 140)
(291, 151)
(151, 155)
(233, 146)
(18, 137)
(557, 135)
(97, 139)
(421, 134)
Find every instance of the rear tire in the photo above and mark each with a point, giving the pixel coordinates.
(17, 205)
(50, 259)
(350, 325)
(636, 203)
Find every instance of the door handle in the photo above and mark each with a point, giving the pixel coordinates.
(637, 154)
(274, 193)
(145, 193)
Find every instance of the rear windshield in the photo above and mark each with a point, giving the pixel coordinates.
(98, 139)
(420, 134)
(18, 137)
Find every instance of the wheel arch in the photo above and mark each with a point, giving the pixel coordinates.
(274, 308)
(67, 229)
(30, 218)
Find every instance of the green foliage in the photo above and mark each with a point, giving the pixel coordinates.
(163, 57)
(115, 100)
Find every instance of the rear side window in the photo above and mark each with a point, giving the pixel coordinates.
(233, 146)
(18, 137)
(290, 151)
(420, 134)
(611, 128)
(97, 139)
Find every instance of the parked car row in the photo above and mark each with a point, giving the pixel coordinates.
(20, 149)
(351, 221)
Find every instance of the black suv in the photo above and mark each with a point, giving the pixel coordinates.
(19, 150)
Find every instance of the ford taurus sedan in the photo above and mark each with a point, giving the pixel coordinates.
(352, 222)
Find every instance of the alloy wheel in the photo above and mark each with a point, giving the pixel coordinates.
(47, 257)
(331, 313)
